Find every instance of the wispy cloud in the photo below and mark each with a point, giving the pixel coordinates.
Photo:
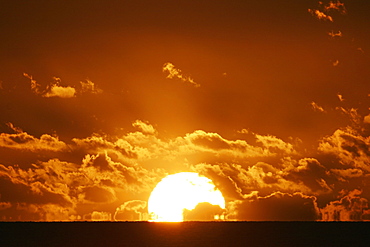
(337, 6)
(145, 127)
(174, 72)
(340, 97)
(35, 87)
(89, 87)
(24, 141)
(316, 107)
(54, 89)
(335, 34)
(335, 63)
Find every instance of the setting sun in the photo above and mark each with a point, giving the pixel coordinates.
(179, 192)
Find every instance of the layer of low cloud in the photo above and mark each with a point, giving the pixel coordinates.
(265, 179)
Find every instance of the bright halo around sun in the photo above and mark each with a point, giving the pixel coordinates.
(181, 191)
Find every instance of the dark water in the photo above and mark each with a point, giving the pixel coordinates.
(184, 234)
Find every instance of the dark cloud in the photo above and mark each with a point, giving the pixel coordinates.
(204, 212)
(277, 206)
(350, 207)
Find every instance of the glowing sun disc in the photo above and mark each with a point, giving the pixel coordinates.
(180, 191)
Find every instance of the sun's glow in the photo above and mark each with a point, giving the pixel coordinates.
(181, 191)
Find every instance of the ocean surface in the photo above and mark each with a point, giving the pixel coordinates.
(184, 234)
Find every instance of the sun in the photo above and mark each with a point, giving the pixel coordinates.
(180, 191)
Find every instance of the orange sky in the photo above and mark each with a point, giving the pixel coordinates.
(100, 100)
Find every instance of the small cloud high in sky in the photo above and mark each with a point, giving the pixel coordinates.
(100, 101)
(174, 72)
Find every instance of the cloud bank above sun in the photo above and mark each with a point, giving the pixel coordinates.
(256, 178)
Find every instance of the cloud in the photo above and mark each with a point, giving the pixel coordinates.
(35, 87)
(360, 50)
(101, 216)
(336, 6)
(89, 87)
(340, 97)
(204, 212)
(352, 149)
(352, 114)
(351, 207)
(310, 174)
(98, 181)
(323, 14)
(134, 210)
(335, 63)
(275, 145)
(174, 72)
(213, 142)
(316, 107)
(320, 15)
(367, 119)
(99, 172)
(335, 34)
(277, 206)
(25, 141)
(344, 174)
(243, 131)
(145, 128)
(54, 89)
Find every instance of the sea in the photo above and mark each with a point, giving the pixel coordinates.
(185, 234)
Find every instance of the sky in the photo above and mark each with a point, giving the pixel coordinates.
(100, 100)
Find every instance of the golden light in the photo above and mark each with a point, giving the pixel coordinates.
(181, 191)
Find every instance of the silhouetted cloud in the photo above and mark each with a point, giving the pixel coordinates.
(277, 206)
(349, 207)
(204, 212)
